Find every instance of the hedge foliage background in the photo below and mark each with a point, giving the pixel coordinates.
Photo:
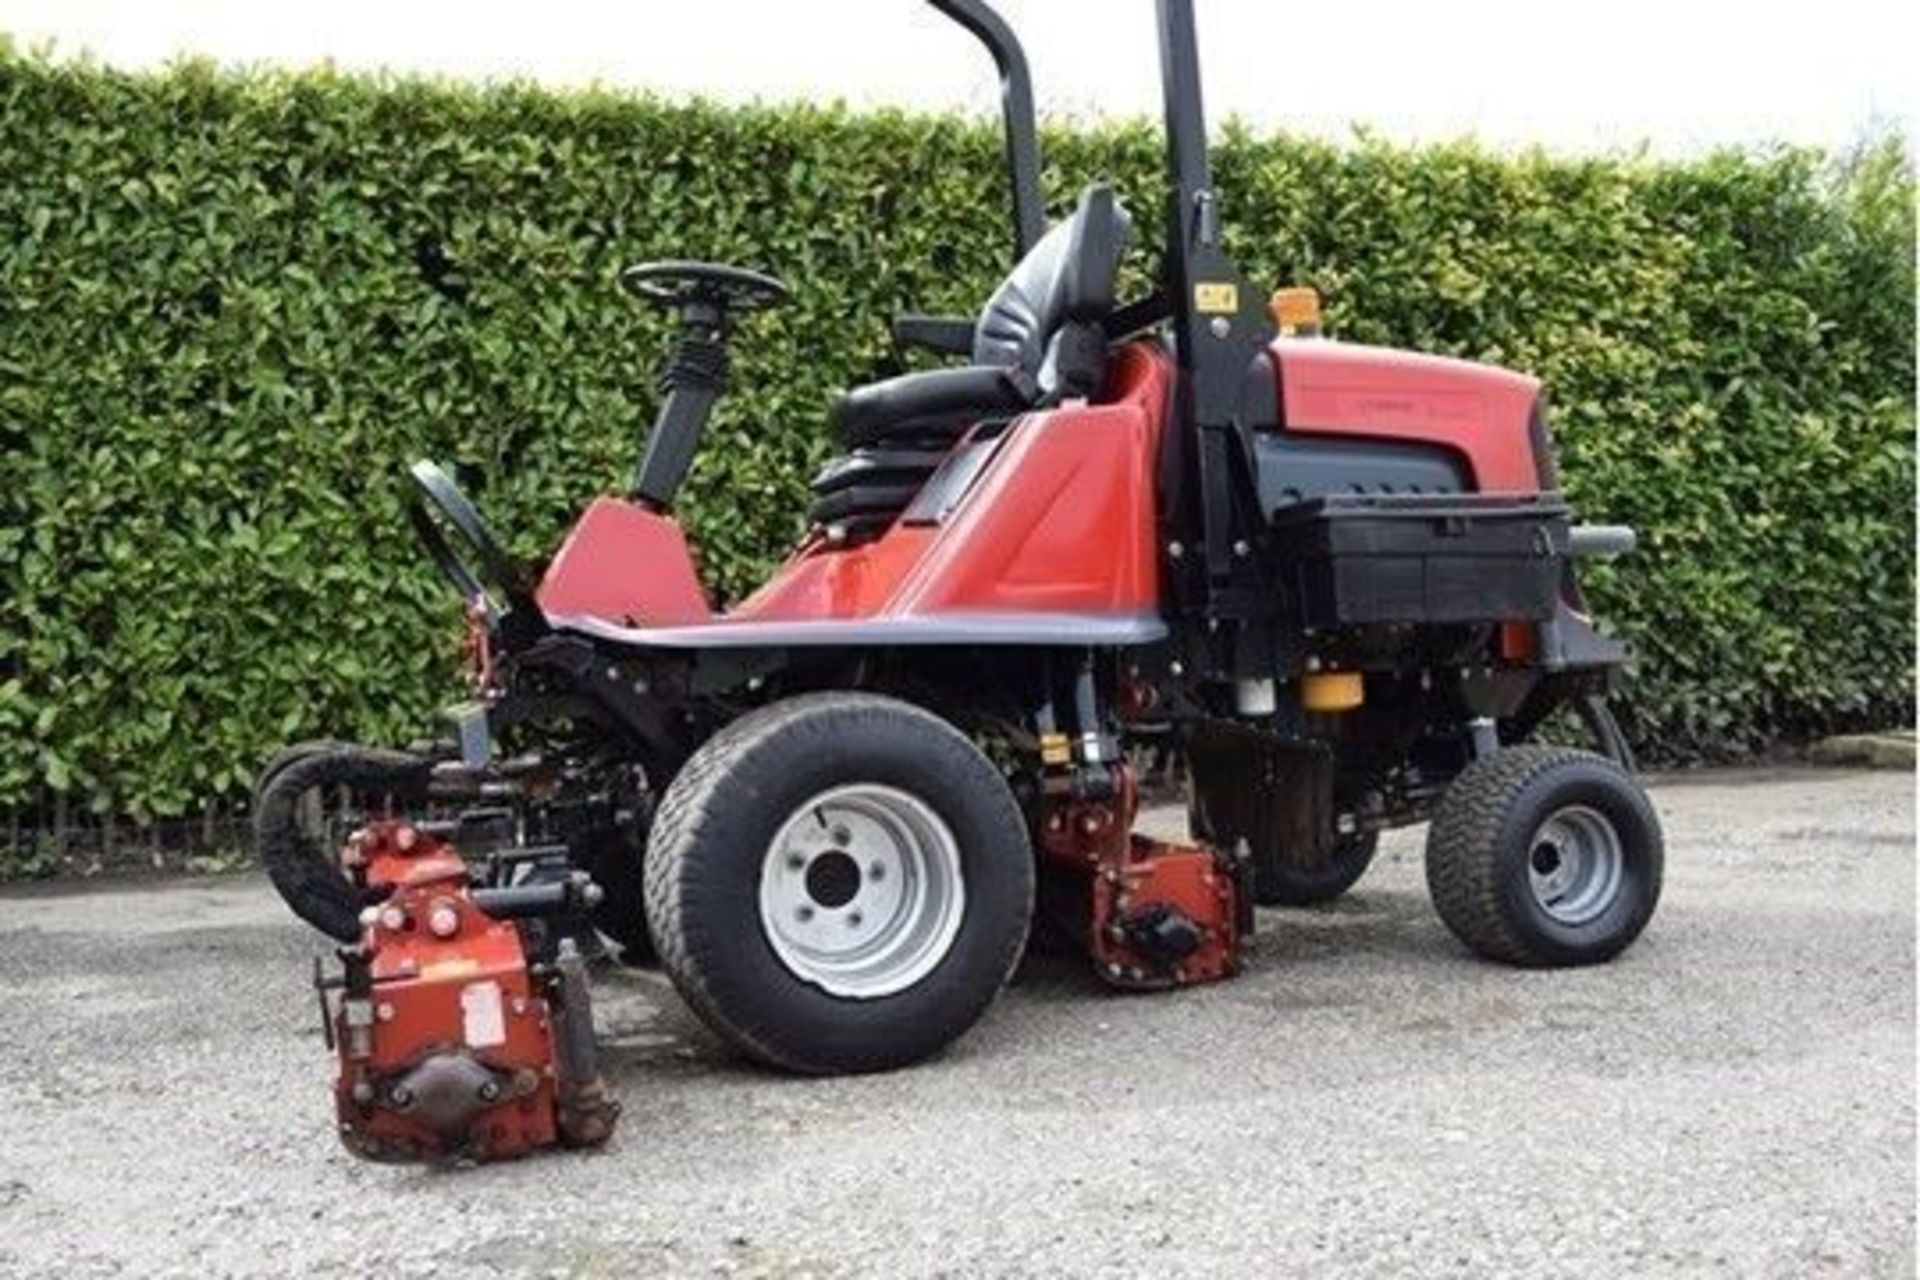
(233, 307)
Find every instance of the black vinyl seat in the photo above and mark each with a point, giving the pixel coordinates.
(1037, 342)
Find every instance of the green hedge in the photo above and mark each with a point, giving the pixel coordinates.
(231, 308)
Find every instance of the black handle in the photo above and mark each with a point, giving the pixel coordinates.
(1599, 541)
(537, 901)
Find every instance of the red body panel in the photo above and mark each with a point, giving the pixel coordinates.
(820, 581)
(627, 565)
(1061, 519)
(1483, 413)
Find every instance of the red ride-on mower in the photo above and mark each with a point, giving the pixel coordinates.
(1338, 579)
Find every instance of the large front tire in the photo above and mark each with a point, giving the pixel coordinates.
(839, 882)
(1545, 856)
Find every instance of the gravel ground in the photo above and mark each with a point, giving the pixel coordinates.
(1733, 1096)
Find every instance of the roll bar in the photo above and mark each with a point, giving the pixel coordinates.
(1016, 107)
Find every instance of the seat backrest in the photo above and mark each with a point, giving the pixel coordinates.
(1068, 277)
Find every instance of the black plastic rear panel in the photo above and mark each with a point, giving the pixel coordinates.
(1290, 468)
(1363, 561)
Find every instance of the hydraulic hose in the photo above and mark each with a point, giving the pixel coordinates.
(303, 873)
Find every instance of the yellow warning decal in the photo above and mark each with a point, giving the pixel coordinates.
(1216, 298)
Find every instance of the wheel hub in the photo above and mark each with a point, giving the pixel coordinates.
(833, 879)
(1576, 864)
(861, 892)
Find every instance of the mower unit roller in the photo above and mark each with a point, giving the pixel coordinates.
(1337, 581)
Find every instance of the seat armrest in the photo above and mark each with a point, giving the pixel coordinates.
(944, 335)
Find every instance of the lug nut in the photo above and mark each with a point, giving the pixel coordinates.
(804, 914)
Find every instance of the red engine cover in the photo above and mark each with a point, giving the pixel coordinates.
(1482, 413)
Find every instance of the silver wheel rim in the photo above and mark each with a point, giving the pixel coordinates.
(861, 892)
(1575, 864)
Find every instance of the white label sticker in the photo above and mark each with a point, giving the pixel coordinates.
(485, 1018)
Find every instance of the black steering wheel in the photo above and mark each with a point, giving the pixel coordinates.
(684, 284)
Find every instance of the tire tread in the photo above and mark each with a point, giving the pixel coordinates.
(1463, 879)
(722, 763)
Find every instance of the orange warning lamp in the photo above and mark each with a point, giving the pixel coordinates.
(1295, 311)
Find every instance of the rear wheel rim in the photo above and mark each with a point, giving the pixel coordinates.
(861, 891)
(1576, 865)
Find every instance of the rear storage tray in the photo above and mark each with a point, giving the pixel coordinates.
(1356, 560)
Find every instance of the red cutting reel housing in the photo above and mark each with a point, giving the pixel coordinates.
(453, 1043)
(1334, 585)
(1155, 914)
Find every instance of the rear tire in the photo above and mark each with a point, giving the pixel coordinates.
(768, 914)
(1286, 886)
(1545, 857)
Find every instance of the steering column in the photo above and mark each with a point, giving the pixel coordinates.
(705, 296)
